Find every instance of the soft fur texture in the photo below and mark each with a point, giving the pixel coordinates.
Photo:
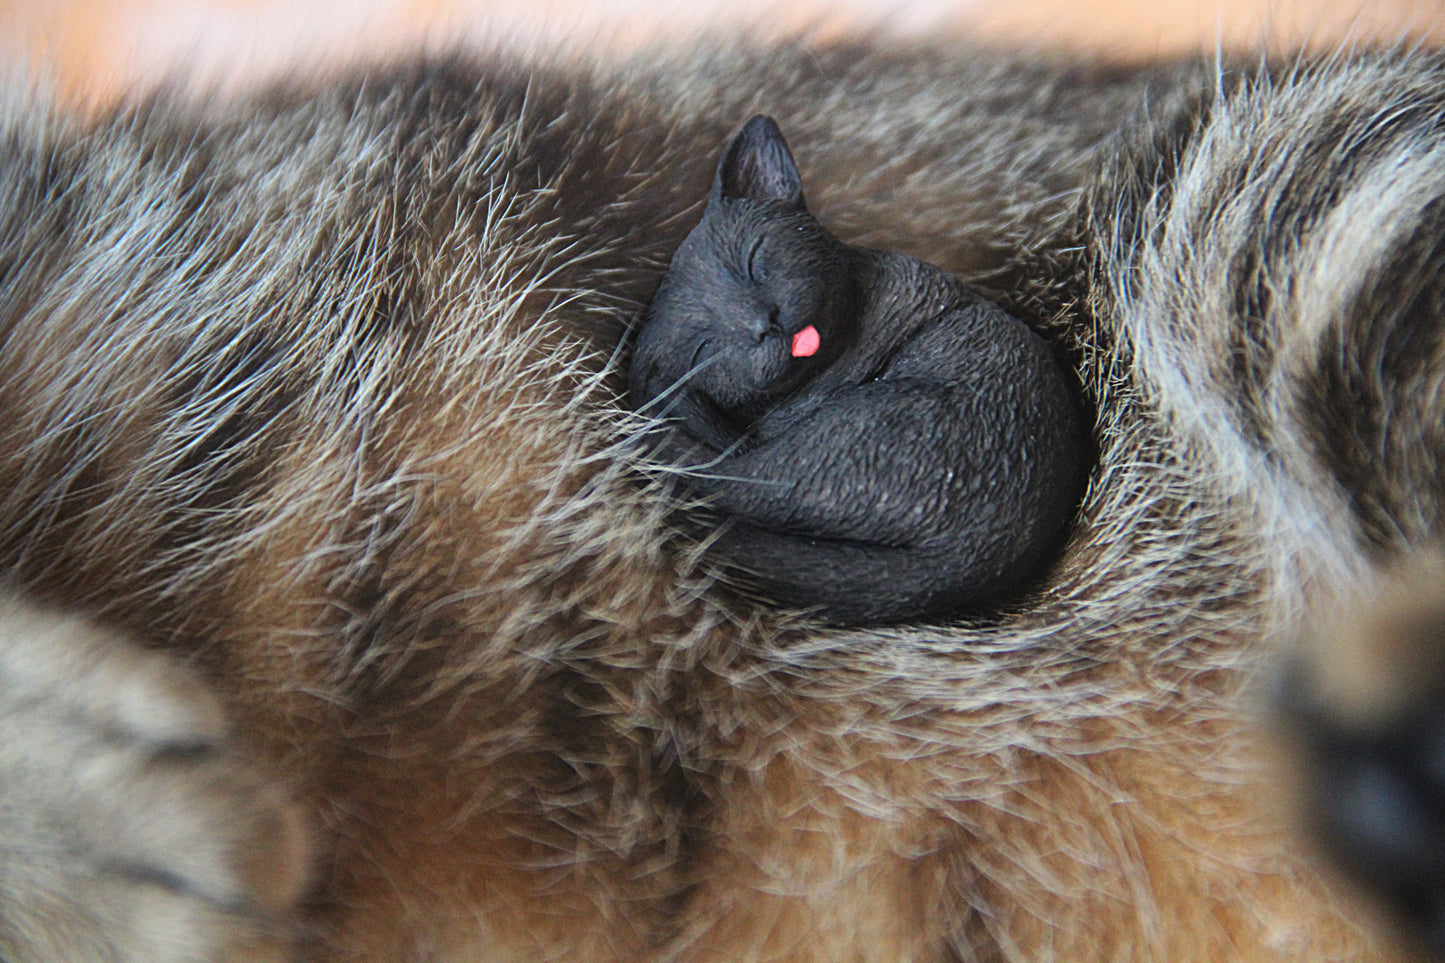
(313, 402)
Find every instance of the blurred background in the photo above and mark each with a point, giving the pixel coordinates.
(93, 48)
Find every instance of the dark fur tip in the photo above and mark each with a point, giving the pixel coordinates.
(758, 166)
(1372, 793)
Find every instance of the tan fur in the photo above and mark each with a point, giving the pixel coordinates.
(321, 397)
(118, 771)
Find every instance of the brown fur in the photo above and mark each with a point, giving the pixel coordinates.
(319, 393)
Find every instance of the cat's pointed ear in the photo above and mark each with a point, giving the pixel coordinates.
(757, 166)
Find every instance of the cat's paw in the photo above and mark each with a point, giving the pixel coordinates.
(129, 829)
(1363, 710)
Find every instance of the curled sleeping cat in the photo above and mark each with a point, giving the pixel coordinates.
(887, 444)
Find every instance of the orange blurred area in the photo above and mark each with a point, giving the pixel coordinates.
(95, 48)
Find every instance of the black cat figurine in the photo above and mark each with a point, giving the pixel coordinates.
(882, 443)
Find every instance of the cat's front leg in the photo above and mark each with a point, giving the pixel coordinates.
(130, 828)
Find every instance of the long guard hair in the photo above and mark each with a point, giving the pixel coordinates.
(318, 393)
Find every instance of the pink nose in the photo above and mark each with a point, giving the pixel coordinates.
(806, 342)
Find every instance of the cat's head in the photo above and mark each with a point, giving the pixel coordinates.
(757, 271)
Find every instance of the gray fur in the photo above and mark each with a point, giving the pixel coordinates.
(319, 393)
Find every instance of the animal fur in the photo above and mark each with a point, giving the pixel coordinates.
(315, 397)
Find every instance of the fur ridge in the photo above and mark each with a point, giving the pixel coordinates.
(319, 393)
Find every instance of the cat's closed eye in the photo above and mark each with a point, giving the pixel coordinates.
(756, 266)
